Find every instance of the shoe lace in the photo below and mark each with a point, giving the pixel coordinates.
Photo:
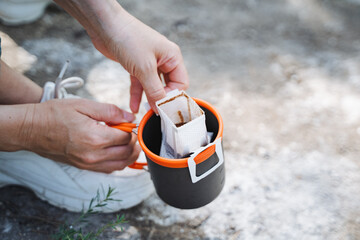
(62, 84)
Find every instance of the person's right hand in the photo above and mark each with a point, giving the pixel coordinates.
(142, 51)
(69, 131)
(145, 54)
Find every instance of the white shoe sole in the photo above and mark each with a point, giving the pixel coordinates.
(71, 188)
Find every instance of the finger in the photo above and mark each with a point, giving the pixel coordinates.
(118, 162)
(108, 113)
(113, 165)
(117, 153)
(116, 137)
(167, 80)
(136, 91)
(176, 78)
(130, 141)
(152, 86)
(171, 63)
(98, 136)
(108, 136)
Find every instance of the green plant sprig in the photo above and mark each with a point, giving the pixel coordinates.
(71, 232)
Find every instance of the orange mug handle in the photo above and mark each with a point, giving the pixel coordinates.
(137, 165)
(125, 126)
(128, 127)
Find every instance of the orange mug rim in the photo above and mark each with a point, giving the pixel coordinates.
(181, 162)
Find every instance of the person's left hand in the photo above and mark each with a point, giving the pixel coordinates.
(68, 131)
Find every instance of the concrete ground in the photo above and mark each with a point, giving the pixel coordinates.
(285, 76)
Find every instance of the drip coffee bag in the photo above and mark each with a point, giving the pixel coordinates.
(182, 124)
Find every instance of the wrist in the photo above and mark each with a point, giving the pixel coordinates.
(26, 131)
(17, 127)
(16, 88)
(97, 17)
(112, 19)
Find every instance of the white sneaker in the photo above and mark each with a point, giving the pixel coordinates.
(68, 187)
(17, 12)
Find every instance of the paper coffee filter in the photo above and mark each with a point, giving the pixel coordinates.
(182, 124)
(180, 109)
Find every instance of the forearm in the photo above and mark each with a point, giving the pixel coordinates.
(97, 17)
(16, 126)
(16, 88)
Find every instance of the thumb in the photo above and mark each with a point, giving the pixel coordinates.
(153, 87)
(136, 91)
(108, 113)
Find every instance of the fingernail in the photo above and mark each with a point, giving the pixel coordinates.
(128, 116)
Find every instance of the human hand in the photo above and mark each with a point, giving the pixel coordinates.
(145, 54)
(142, 51)
(68, 131)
